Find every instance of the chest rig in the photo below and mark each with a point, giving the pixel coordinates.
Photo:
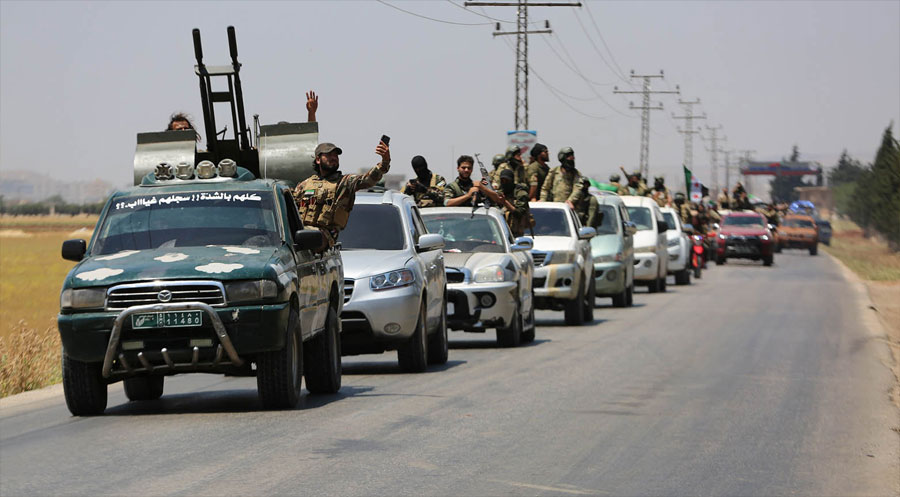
(324, 204)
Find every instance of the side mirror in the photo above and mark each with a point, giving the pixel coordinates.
(662, 227)
(771, 227)
(73, 250)
(586, 233)
(523, 244)
(630, 227)
(716, 226)
(309, 239)
(430, 241)
(687, 228)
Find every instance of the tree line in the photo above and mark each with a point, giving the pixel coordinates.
(50, 205)
(870, 194)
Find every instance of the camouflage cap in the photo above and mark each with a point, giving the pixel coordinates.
(324, 148)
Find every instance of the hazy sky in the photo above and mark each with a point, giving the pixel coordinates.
(78, 80)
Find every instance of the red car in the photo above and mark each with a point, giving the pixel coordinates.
(744, 235)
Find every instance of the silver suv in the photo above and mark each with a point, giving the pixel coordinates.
(394, 283)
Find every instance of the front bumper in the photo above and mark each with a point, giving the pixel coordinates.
(678, 258)
(745, 247)
(797, 242)
(374, 320)
(466, 309)
(646, 266)
(555, 282)
(233, 332)
(609, 278)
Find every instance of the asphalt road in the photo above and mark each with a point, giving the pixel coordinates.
(751, 381)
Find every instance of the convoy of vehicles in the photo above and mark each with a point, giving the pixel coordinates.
(651, 254)
(613, 252)
(394, 288)
(745, 235)
(799, 231)
(679, 246)
(489, 274)
(564, 268)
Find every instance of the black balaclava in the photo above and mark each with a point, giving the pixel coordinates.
(420, 166)
(509, 186)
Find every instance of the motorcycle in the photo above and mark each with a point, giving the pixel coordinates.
(698, 255)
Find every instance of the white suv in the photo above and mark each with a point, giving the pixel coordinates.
(650, 254)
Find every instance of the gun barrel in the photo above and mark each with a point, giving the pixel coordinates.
(232, 44)
(198, 48)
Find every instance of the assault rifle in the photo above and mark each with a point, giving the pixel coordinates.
(485, 176)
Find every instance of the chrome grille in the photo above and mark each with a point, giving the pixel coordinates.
(348, 290)
(539, 257)
(125, 296)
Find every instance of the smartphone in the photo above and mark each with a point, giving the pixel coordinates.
(386, 139)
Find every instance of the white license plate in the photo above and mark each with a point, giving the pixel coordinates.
(451, 309)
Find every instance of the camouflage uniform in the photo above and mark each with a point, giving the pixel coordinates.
(588, 210)
(536, 174)
(519, 220)
(433, 196)
(560, 186)
(521, 178)
(458, 188)
(662, 197)
(325, 203)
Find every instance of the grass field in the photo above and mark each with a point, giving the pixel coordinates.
(31, 275)
(869, 259)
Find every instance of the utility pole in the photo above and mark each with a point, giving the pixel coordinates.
(743, 162)
(727, 167)
(521, 32)
(688, 130)
(714, 154)
(645, 109)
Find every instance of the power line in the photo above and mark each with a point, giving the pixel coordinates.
(434, 19)
(594, 45)
(484, 14)
(645, 115)
(602, 40)
(689, 130)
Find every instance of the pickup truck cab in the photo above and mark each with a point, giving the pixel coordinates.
(613, 252)
(210, 275)
(564, 267)
(650, 242)
(678, 245)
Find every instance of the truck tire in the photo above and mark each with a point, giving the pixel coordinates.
(412, 355)
(438, 343)
(721, 261)
(814, 249)
(322, 358)
(662, 283)
(144, 387)
(630, 301)
(589, 300)
(683, 277)
(621, 299)
(574, 309)
(653, 286)
(767, 261)
(279, 373)
(511, 336)
(83, 386)
(528, 334)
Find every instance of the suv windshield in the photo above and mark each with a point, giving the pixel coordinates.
(550, 222)
(742, 221)
(464, 233)
(188, 219)
(670, 220)
(642, 217)
(798, 223)
(608, 224)
(374, 227)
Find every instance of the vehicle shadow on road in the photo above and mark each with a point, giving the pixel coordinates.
(561, 323)
(610, 306)
(223, 401)
(392, 367)
(490, 344)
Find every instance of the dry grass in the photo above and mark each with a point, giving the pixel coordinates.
(29, 359)
(868, 258)
(31, 275)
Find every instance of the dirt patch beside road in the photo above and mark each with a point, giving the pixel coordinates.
(885, 296)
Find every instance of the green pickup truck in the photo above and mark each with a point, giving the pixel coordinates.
(213, 275)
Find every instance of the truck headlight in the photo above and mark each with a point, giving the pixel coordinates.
(764, 238)
(673, 242)
(247, 291)
(490, 274)
(82, 298)
(392, 279)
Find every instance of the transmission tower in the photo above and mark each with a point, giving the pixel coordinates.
(521, 32)
(689, 130)
(645, 109)
(714, 139)
(744, 162)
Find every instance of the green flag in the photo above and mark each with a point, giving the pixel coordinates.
(687, 180)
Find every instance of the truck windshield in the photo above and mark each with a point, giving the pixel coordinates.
(798, 223)
(609, 224)
(670, 220)
(373, 227)
(550, 222)
(642, 217)
(464, 233)
(742, 221)
(188, 219)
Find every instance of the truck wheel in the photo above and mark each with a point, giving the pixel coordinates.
(528, 336)
(777, 248)
(322, 358)
(574, 309)
(653, 286)
(683, 277)
(662, 283)
(589, 300)
(767, 261)
(279, 374)
(813, 250)
(412, 355)
(620, 299)
(144, 387)
(721, 261)
(83, 387)
(438, 343)
(511, 336)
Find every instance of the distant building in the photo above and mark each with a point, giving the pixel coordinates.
(24, 186)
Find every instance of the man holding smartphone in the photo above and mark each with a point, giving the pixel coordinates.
(326, 198)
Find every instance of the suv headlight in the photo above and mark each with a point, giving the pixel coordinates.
(82, 298)
(673, 242)
(246, 291)
(490, 274)
(563, 257)
(392, 279)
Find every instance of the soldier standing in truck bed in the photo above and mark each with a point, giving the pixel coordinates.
(588, 208)
(537, 170)
(326, 198)
(561, 183)
(512, 161)
(515, 204)
(427, 188)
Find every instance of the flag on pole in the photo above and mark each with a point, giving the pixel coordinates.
(687, 179)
